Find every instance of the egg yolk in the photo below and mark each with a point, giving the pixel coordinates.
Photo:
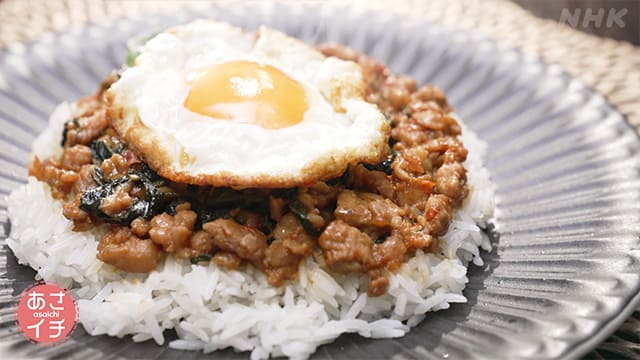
(248, 92)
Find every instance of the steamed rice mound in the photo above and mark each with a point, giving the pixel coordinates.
(211, 308)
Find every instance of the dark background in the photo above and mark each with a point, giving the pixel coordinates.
(552, 9)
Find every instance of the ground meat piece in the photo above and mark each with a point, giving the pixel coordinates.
(130, 157)
(451, 181)
(72, 211)
(345, 248)
(81, 219)
(457, 154)
(311, 201)
(367, 209)
(412, 161)
(417, 160)
(322, 194)
(319, 195)
(173, 232)
(74, 157)
(414, 193)
(409, 133)
(85, 179)
(183, 207)
(390, 253)
(202, 242)
(249, 218)
(397, 91)
(120, 248)
(37, 169)
(290, 232)
(431, 117)
(87, 127)
(405, 82)
(416, 238)
(378, 283)
(397, 97)
(439, 214)
(138, 191)
(161, 230)
(117, 201)
(140, 227)
(287, 269)
(451, 148)
(316, 219)
(399, 174)
(60, 180)
(277, 207)
(114, 167)
(372, 181)
(314, 199)
(430, 93)
(276, 276)
(291, 245)
(248, 243)
(227, 260)
(425, 125)
(393, 94)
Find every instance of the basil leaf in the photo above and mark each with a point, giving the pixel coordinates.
(384, 166)
(73, 121)
(200, 258)
(300, 210)
(100, 151)
(135, 44)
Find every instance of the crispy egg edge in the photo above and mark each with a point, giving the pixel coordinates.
(143, 140)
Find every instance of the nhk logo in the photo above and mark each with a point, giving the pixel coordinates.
(596, 17)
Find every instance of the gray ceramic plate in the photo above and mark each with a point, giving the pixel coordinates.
(565, 270)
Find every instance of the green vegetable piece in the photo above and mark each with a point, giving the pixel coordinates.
(200, 258)
(380, 239)
(384, 166)
(147, 207)
(73, 121)
(131, 58)
(100, 151)
(299, 209)
(135, 44)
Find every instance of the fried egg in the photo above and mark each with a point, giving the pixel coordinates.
(207, 103)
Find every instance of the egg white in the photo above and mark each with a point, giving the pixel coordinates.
(147, 110)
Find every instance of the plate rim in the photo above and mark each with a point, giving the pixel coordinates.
(576, 349)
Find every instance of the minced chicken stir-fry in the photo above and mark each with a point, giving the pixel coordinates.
(371, 218)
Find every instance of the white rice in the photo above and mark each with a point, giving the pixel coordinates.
(211, 308)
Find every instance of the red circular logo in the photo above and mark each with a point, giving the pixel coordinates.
(46, 313)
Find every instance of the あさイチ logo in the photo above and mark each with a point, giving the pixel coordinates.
(46, 313)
